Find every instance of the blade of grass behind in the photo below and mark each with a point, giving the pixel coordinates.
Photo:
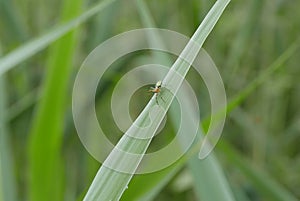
(8, 189)
(45, 165)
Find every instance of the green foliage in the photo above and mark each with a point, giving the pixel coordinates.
(7, 182)
(45, 162)
(254, 44)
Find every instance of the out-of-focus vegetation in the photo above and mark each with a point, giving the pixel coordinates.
(254, 45)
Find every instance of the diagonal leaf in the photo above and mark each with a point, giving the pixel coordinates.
(110, 184)
(209, 180)
(162, 178)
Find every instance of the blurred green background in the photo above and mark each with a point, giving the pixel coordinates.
(254, 45)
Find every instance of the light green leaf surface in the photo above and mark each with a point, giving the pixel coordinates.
(110, 184)
(209, 180)
(147, 191)
(265, 29)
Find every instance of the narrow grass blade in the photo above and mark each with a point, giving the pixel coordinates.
(210, 182)
(163, 178)
(209, 179)
(7, 180)
(45, 139)
(37, 44)
(110, 184)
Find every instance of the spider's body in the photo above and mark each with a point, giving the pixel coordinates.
(156, 89)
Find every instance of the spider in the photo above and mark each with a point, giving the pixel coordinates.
(156, 90)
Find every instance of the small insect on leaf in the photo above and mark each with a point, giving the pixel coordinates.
(156, 89)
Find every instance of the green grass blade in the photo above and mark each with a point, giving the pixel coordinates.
(7, 181)
(146, 190)
(160, 179)
(8, 190)
(37, 44)
(210, 182)
(45, 139)
(110, 184)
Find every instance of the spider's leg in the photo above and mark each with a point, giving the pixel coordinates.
(151, 89)
(156, 99)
